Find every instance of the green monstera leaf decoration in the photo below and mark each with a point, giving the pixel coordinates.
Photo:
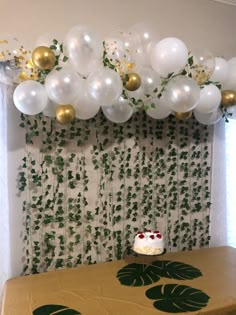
(55, 309)
(143, 274)
(174, 298)
(176, 270)
(138, 275)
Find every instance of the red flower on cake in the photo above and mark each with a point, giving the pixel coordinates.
(152, 237)
(156, 232)
(158, 235)
(149, 231)
(140, 232)
(141, 236)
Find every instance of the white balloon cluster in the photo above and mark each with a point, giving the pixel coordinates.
(127, 71)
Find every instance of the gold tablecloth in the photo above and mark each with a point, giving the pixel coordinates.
(95, 289)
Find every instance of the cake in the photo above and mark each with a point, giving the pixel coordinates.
(149, 243)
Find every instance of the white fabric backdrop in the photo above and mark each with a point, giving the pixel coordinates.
(11, 151)
(230, 141)
(4, 207)
(223, 209)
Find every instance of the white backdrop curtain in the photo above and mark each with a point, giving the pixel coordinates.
(223, 209)
(230, 141)
(5, 271)
(11, 150)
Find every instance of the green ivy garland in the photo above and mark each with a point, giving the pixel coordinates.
(91, 185)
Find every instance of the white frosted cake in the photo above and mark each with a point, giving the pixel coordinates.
(149, 243)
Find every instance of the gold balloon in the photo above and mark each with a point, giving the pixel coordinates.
(43, 58)
(65, 114)
(132, 81)
(228, 98)
(183, 116)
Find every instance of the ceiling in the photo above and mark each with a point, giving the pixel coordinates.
(230, 2)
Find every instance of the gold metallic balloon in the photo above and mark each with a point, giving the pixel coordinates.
(132, 81)
(65, 114)
(228, 98)
(183, 116)
(43, 58)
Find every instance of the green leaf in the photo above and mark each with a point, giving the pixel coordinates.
(190, 61)
(52, 309)
(53, 47)
(138, 275)
(174, 298)
(65, 58)
(176, 270)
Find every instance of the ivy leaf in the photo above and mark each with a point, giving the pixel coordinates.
(138, 275)
(190, 61)
(65, 58)
(174, 298)
(52, 309)
(53, 47)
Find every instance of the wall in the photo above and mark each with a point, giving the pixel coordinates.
(200, 23)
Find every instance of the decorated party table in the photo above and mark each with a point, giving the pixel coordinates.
(190, 282)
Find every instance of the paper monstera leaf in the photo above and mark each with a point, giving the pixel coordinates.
(177, 270)
(174, 298)
(54, 309)
(142, 274)
(138, 275)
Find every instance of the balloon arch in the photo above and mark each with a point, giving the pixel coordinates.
(127, 71)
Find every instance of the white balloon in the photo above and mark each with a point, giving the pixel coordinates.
(230, 82)
(85, 107)
(50, 109)
(203, 66)
(210, 98)
(169, 55)
(84, 49)
(182, 94)
(144, 31)
(63, 86)
(150, 80)
(209, 118)
(115, 49)
(104, 86)
(119, 112)
(221, 70)
(137, 95)
(129, 39)
(146, 35)
(30, 97)
(160, 111)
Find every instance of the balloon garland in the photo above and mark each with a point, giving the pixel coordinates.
(121, 74)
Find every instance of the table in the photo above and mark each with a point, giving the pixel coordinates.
(102, 289)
